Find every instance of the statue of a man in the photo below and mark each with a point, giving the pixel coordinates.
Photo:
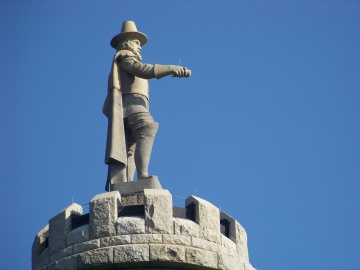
(131, 128)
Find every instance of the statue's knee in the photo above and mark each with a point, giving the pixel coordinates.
(149, 129)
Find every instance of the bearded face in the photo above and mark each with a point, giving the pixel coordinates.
(131, 44)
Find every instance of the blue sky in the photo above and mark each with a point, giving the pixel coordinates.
(267, 128)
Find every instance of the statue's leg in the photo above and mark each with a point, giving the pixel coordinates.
(131, 163)
(116, 174)
(145, 136)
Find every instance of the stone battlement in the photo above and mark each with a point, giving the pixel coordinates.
(141, 231)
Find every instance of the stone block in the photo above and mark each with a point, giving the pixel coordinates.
(44, 258)
(39, 245)
(204, 244)
(96, 257)
(186, 227)
(146, 238)
(131, 253)
(68, 263)
(132, 199)
(126, 188)
(60, 226)
(228, 244)
(238, 235)
(130, 225)
(78, 235)
(85, 246)
(158, 211)
(103, 214)
(177, 239)
(201, 257)
(168, 253)
(230, 262)
(61, 254)
(208, 218)
(115, 240)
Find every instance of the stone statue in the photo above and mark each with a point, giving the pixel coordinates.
(131, 128)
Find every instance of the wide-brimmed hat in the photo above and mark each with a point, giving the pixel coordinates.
(128, 30)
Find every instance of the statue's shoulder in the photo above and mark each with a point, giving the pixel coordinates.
(122, 54)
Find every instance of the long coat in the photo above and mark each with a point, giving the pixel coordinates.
(113, 110)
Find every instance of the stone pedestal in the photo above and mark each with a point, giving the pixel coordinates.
(143, 232)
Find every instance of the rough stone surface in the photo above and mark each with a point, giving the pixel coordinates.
(132, 199)
(186, 227)
(169, 253)
(103, 214)
(101, 256)
(146, 238)
(78, 235)
(115, 240)
(156, 240)
(60, 226)
(228, 262)
(228, 244)
(238, 235)
(177, 239)
(201, 257)
(130, 225)
(158, 211)
(85, 246)
(38, 242)
(131, 253)
(61, 254)
(204, 244)
(43, 258)
(208, 218)
(126, 188)
(68, 263)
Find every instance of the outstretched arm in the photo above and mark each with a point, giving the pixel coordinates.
(147, 71)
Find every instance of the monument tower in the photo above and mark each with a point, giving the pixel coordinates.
(134, 225)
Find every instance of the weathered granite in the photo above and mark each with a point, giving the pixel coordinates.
(238, 235)
(158, 211)
(68, 263)
(60, 226)
(130, 225)
(131, 253)
(103, 214)
(204, 244)
(43, 258)
(115, 240)
(132, 199)
(78, 235)
(96, 257)
(85, 246)
(38, 243)
(207, 216)
(186, 227)
(229, 262)
(146, 238)
(61, 254)
(128, 188)
(201, 257)
(169, 253)
(183, 244)
(183, 240)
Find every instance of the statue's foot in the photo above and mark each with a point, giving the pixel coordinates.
(143, 177)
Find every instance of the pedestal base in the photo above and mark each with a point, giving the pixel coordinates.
(127, 188)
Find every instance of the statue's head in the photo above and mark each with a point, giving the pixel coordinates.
(130, 44)
(129, 38)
